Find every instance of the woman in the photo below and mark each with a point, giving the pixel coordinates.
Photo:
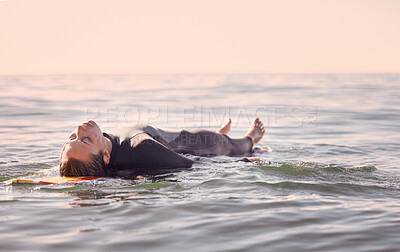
(145, 149)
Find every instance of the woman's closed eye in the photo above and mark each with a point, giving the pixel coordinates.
(86, 140)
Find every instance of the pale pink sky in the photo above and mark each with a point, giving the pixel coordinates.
(202, 36)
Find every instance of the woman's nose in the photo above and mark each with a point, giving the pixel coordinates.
(81, 128)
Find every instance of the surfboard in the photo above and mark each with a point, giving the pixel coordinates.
(54, 180)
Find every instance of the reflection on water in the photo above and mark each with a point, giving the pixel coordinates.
(330, 183)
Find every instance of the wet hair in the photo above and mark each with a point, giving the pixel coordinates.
(94, 167)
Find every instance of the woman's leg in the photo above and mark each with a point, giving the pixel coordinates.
(205, 143)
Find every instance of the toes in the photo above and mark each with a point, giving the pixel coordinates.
(257, 122)
(259, 125)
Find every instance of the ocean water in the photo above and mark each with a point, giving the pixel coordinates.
(331, 182)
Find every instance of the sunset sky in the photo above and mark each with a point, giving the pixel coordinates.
(199, 37)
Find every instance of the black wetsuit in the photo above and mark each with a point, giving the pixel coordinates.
(139, 153)
(144, 149)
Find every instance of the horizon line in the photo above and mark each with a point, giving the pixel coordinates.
(166, 74)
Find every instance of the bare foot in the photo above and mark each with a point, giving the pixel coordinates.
(226, 128)
(256, 131)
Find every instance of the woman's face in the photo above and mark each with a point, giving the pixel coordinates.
(86, 139)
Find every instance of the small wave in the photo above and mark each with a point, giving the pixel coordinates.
(310, 167)
(328, 174)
